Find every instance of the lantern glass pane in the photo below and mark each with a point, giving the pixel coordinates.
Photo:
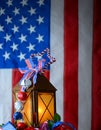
(51, 108)
(41, 107)
(28, 110)
(45, 106)
(46, 117)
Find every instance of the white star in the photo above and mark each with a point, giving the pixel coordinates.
(1, 46)
(8, 20)
(38, 57)
(15, 29)
(24, 2)
(22, 38)
(7, 37)
(40, 20)
(31, 47)
(32, 11)
(9, 2)
(23, 20)
(6, 55)
(16, 11)
(14, 47)
(40, 38)
(2, 11)
(1, 28)
(31, 29)
(21, 56)
(40, 2)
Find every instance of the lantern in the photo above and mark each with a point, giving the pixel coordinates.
(44, 99)
(40, 105)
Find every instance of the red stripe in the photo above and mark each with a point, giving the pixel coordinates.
(16, 75)
(96, 93)
(71, 62)
(47, 74)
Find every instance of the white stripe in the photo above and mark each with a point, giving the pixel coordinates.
(85, 64)
(56, 47)
(5, 95)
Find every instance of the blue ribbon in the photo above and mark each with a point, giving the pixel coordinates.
(31, 70)
(59, 123)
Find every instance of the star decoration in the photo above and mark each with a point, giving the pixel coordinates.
(40, 38)
(40, 55)
(8, 20)
(2, 11)
(31, 47)
(21, 56)
(23, 38)
(40, 20)
(15, 29)
(6, 55)
(31, 29)
(40, 2)
(16, 11)
(1, 28)
(7, 37)
(32, 11)
(14, 47)
(23, 20)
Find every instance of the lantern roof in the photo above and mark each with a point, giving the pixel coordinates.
(43, 84)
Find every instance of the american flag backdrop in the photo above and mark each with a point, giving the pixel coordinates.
(71, 30)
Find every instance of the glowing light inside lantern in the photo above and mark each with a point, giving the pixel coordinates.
(40, 110)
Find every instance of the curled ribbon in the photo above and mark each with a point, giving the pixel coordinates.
(32, 70)
(44, 126)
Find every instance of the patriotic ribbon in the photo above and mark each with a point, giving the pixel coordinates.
(32, 70)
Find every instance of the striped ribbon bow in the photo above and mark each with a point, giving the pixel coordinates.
(32, 69)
